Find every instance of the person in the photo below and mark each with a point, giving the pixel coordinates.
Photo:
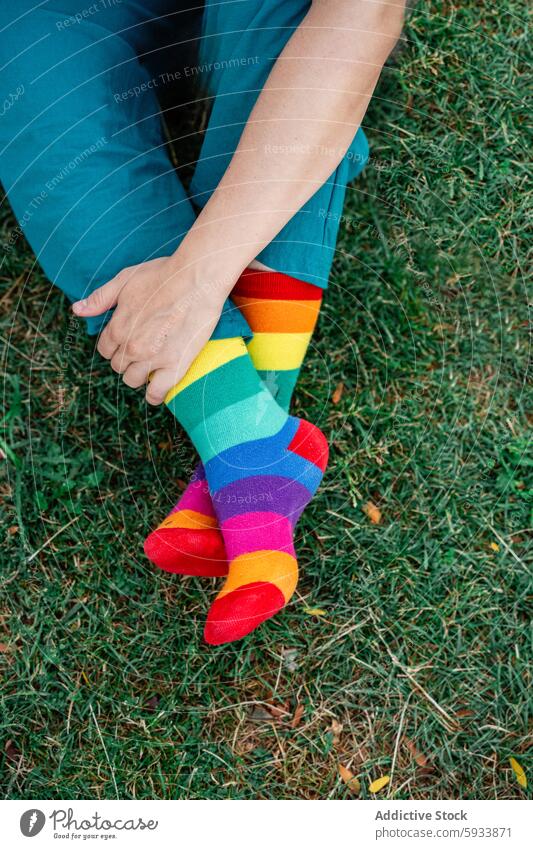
(151, 268)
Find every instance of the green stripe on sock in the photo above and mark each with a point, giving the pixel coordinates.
(280, 384)
(223, 387)
(253, 418)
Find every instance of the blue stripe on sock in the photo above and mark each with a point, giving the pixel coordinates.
(266, 457)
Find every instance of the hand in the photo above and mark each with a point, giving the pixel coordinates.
(162, 320)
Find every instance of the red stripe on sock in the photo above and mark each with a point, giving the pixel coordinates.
(272, 284)
(310, 443)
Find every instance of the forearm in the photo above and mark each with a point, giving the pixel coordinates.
(302, 124)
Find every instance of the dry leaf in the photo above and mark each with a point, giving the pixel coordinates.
(4, 647)
(373, 512)
(298, 713)
(464, 712)
(349, 779)
(416, 754)
(337, 395)
(315, 611)
(278, 711)
(495, 546)
(519, 772)
(379, 784)
(12, 530)
(12, 752)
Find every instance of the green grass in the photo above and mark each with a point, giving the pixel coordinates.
(107, 685)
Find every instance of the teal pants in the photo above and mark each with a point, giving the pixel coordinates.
(83, 155)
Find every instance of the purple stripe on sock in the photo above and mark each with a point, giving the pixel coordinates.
(261, 493)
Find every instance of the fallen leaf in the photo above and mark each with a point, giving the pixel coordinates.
(11, 750)
(298, 713)
(153, 703)
(416, 754)
(181, 484)
(349, 779)
(315, 611)
(373, 512)
(379, 784)
(12, 530)
(464, 712)
(519, 772)
(4, 647)
(337, 395)
(495, 546)
(278, 711)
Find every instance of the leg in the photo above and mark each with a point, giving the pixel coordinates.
(282, 313)
(262, 467)
(240, 43)
(109, 195)
(83, 156)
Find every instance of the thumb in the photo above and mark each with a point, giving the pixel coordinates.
(101, 300)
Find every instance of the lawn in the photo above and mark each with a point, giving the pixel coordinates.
(406, 652)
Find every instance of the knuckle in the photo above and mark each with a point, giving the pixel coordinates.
(133, 350)
(113, 332)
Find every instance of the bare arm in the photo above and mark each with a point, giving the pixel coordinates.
(309, 111)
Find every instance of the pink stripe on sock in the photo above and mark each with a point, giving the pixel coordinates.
(196, 497)
(257, 532)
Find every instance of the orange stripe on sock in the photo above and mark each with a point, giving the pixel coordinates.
(273, 567)
(268, 316)
(189, 519)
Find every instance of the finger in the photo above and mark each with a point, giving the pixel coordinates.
(101, 300)
(136, 375)
(160, 383)
(120, 360)
(107, 342)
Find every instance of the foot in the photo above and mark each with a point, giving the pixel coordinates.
(188, 541)
(259, 490)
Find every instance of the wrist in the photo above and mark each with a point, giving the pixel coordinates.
(205, 262)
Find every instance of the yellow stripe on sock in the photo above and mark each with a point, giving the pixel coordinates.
(216, 353)
(273, 351)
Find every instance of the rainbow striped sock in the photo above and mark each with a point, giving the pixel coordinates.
(282, 312)
(262, 467)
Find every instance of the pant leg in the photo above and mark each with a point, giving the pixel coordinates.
(240, 43)
(82, 151)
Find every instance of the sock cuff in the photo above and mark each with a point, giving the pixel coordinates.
(256, 283)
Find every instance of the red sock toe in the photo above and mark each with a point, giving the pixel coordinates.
(185, 551)
(234, 615)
